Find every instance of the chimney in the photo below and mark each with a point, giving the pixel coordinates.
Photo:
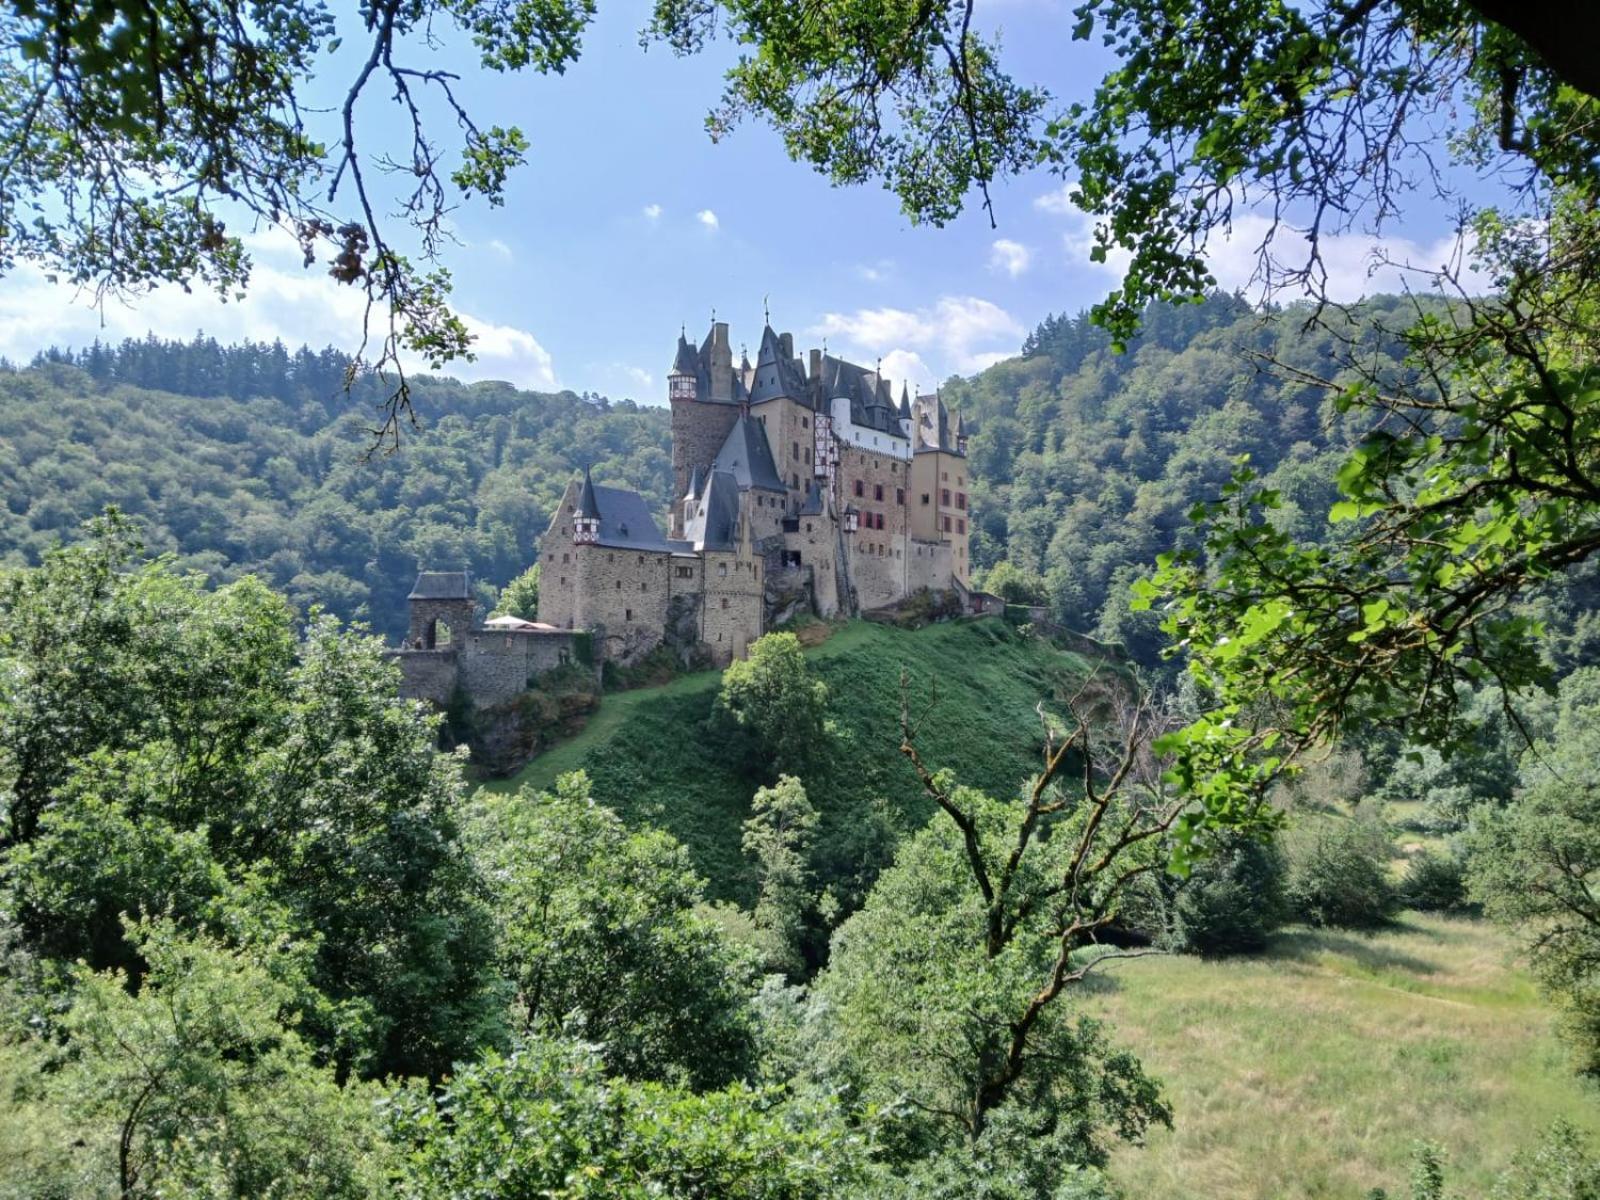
(786, 341)
(816, 363)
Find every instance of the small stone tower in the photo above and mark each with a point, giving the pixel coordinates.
(442, 610)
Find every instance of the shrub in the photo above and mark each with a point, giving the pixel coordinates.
(1230, 903)
(1434, 883)
(1338, 876)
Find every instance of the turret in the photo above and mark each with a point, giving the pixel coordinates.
(904, 412)
(961, 434)
(681, 379)
(586, 521)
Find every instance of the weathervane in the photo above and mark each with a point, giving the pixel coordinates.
(766, 311)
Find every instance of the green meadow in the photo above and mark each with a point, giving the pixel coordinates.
(1313, 1070)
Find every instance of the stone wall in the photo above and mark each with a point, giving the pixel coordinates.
(625, 593)
(698, 431)
(732, 615)
(495, 666)
(931, 565)
(558, 573)
(944, 516)
(429, 675)
(438, 623)
(816, 541)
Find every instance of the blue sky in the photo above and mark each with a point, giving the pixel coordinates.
(628, 222)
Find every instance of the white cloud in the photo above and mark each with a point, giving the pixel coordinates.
(962, 332)
(500, 248)
(1008, 256)
(1058, 202)
(906, 367)
(875, 272)
(284, 302)
(652, 212)
(1356, 265)
(707, 218)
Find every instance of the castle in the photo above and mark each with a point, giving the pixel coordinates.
(798, 485)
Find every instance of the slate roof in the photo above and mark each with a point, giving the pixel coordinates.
(441, 585)
(813, 506)
(687, 361)
(747, 456)
(871, 405)
(586, 498)
(776, 373)
(712, 524)
(625, 520)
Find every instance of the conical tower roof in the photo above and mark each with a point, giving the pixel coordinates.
(588, 504)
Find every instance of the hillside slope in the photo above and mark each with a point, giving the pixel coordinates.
(654, 758)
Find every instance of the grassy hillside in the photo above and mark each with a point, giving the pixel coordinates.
(1312, 1071)
(653, 759)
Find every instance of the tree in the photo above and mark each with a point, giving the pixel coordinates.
(771, 696)
(167, 749)
(952, 986)
(520, 597)
(1535, 864)
(778, 836)
(600, 937)
(546, 1122)
(131, 137)
(199, 1085)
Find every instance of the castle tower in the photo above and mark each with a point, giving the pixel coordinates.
(705, 393)
(586, 520)
(442, 610)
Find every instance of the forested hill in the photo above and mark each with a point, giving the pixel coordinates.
(249, 459)
(1086, 462)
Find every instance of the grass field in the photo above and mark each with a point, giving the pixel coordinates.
(1312, 1071)
(652, 758)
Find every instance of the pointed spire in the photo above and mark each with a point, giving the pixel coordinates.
(694, 485)
(905, 402)
(588, 505)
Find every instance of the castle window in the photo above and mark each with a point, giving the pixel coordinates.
(899, 495)
(808, 526)
(685, 572)
(944, 497)
(961, 526)
(805, 422)
(861, 488)
(944, 476)
(877, 491)
(925, 497)
(724, 602)
(722, 570)
(961, 500)
(641, 585)
(808, 455)
(641, 563)
(627, 614)
(563, 581)
(611, 558)
(794, 451)
(960, 481)
(619, 582)
(947, 524)
(794, 480)
(566, 558)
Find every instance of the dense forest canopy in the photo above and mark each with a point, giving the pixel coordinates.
(250, 459)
